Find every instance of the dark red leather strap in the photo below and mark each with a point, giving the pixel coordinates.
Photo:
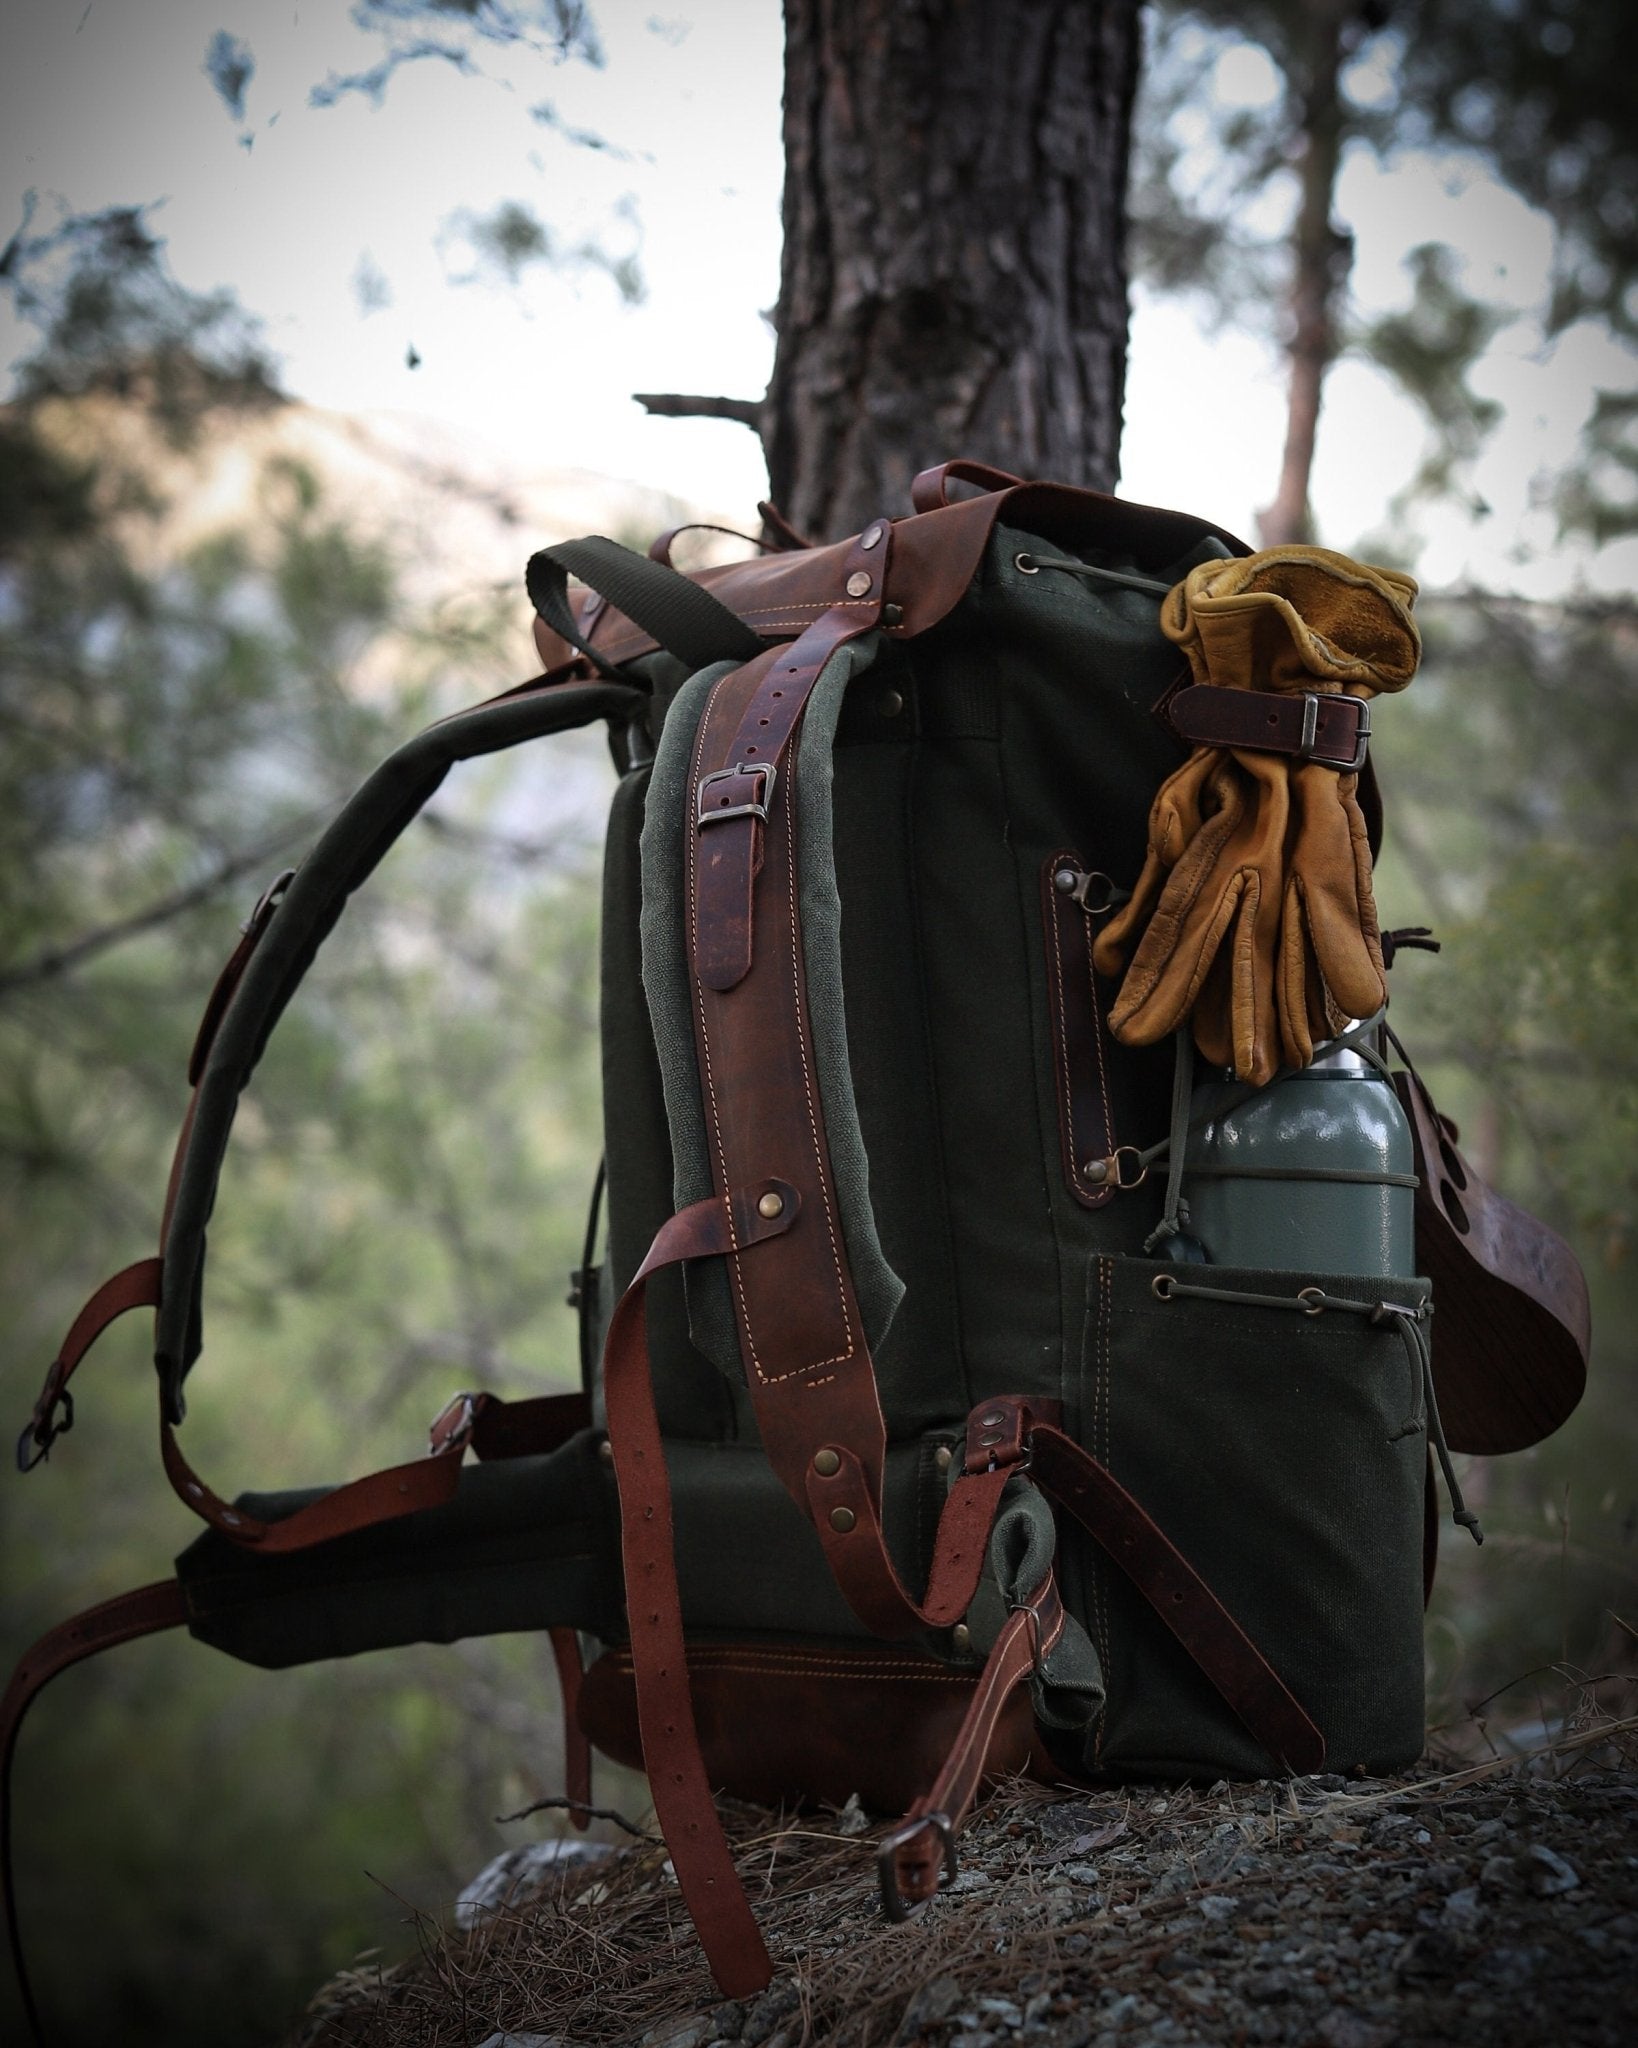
(576, 1749)
(930, 491)
(710, 1885)
(120, 1620)
(1332, 730)
(495, 1428)
(916, 1856)
(1242, 1675)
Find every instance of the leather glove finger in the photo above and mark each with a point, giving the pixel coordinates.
(1329, 926)
(1175, 818)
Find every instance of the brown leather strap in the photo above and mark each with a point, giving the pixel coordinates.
(1333, 730)
(1247, 1682)
(1086, 1123)
(496, 1429)
(931, 489)
(917, 1856)
(710, 1885)
(576, 1749)
(140, 1613)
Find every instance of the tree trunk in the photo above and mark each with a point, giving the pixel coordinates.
(1321, 256)
(954, 277)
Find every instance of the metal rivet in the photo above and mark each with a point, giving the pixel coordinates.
(989, 1436)
(943, 1458)
(230, 1520)
(890, 703)
(961, 1637)
(842, 1519)
(858, 584)
(992, 1420)
(771, 1205)
(1096, 1171)
(826, 1463)
(605, 1450)
(1065, 880)
(872, 536)
(892, 614)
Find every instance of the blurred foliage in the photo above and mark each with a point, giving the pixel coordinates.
(402, 1203)
(1533, 93)
(1512, 785)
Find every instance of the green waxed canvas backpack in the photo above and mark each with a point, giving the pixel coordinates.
(917, 1439)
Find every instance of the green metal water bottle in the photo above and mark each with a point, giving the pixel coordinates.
(1314, 1173)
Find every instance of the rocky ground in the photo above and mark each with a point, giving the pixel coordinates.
(1493, 1905)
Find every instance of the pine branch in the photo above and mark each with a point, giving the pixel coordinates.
(61, 960)
(676, 405)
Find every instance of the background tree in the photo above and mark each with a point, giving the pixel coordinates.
(954, 276)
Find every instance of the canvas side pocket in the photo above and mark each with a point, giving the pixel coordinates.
(1281, 1445)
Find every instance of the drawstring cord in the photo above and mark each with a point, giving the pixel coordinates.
(1410, 1322)
(1175, 1217)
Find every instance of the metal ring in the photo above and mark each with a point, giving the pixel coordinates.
(1142, 1174)
(1162, 1286)
(1026, 565)
(1313, 1299)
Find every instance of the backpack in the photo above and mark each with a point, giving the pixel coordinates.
(916, 1440)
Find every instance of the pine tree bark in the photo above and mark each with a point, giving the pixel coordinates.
(954, 277)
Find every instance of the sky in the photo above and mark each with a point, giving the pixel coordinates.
(342, 227)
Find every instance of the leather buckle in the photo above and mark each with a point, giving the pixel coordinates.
(453, 1428)
(719, 809)
(1310, 728)
(42, 1428)
(895, 1906)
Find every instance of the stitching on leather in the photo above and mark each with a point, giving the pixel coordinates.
(1067, 1099)
(839, 1358)
(705, 1033)
(747, 1667)
(1100, 1437)
(1108, 1139)
(768, 613)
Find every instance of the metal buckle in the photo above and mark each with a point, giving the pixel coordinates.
(42, 1428)
(894, 1904)
(267, 903)
(1310, 729)
(453, 1428)
(728, 807)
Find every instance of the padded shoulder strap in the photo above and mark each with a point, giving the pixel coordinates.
(292, 932)
(680, 617)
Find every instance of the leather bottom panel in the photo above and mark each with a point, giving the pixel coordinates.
(809, 1724)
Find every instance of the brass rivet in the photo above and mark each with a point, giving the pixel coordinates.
(872, 536)
(858, 584)
(961, 1637)
(943, 1458)
(605, 1450)
(842, 1519)
(771, 1205)
(826, 1463)
(890, 703)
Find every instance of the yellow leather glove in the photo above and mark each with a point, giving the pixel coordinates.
(1254, 913)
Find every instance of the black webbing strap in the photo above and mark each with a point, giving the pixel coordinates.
(684, 619)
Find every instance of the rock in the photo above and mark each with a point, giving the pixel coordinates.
(1340, 2029)
(678, 2033)
(777, 2003)
(1549, 1873)
(1463, 1907)
(1219, 1907)
(935, 2001)
(517, 1873)
(727, 2021)
(1002, 2011)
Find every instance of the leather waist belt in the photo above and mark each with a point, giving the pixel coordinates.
(1331, 730)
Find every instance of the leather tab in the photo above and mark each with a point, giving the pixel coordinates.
(930, 491)
(1086, 1124)
(1333, 730)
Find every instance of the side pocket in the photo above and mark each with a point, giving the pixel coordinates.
(1079, 1063)
(1284, 1453)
